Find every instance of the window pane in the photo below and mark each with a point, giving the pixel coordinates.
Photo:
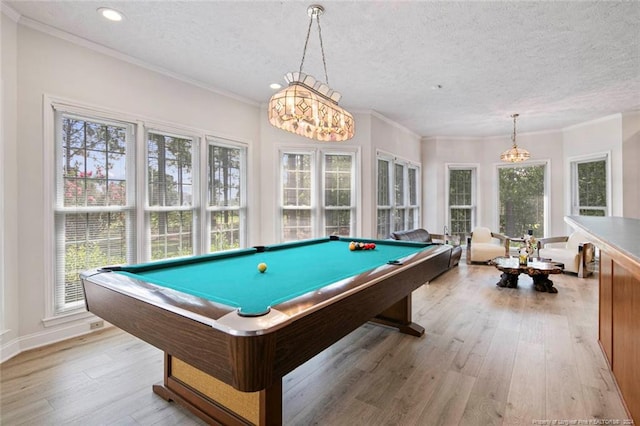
(383, 183)
(399, 184)
(225, 230)
(592, 212)
(399, 220)
(592, 184)
(337, 180)
(296, 225)
(460, 222)
(338, 222)
(521, 200)
(171, 234)
(460, 187)
(413, 187)
(384, 223)
(91, 240)
(93, 164)
(296, 180)
(412, 218)
(169, 170)
(224, 176)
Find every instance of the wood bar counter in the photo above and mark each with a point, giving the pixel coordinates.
(619, 242)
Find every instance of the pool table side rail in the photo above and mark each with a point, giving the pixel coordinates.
(226, 318)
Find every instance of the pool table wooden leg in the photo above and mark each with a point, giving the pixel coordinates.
(398, 316)
(195, 389)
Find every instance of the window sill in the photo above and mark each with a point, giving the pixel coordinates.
(67, 317)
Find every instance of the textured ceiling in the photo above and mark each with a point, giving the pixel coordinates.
(555, 63)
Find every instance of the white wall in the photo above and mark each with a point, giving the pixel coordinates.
(9, 283)
(631, 164)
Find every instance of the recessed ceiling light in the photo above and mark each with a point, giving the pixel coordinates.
(275, 86)
(110, 14)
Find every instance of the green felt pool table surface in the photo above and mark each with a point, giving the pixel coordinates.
(293, 269)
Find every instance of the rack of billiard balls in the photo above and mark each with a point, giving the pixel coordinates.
(361, 246)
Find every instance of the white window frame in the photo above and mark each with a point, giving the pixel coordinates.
(57, 307)
(242, 208)
(390, 195)
(405, 205)
(313, 199)
(547, 191)
(317, 206)
(323, 205)
(194, 208)
(136, 173)
(474, 192)
(574, 208)
(414, 208)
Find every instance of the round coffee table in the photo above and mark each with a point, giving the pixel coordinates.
(538, 269)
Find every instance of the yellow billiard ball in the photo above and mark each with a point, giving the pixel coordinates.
(262, 267)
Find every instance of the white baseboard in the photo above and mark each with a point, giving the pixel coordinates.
(9, 350)
(47, 337)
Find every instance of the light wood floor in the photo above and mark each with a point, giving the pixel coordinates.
(489, 356)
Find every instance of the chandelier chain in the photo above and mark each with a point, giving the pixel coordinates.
(306, 43)
(304, 51)
(324, 61)
(513, 138)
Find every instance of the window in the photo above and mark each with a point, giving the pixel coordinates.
(170, 195)
(522, 199)
(589, 186)
(94, 219)
(339, 208)
(384, 198)
(397, 196)
(226, 200)
(107, 211)
(317, 199)
(413, 209)
(296, 196)
(461, 200)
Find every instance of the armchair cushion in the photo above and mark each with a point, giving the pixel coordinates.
(481, 235)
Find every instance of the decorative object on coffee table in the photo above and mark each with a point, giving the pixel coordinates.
(538, 269)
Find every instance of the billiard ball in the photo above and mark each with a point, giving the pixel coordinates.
(352, 246)
(262, 267)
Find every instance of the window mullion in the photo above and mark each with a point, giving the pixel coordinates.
(139, 179)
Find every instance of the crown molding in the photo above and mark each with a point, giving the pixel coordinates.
(10, 12)
(594, 121)
(72, 38)
(394, 123)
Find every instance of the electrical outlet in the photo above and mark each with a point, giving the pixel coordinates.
(96, 325)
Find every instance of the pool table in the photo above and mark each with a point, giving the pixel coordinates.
(230, 332)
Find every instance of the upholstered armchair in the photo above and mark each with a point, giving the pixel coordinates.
(574, 251)
(484, 245)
